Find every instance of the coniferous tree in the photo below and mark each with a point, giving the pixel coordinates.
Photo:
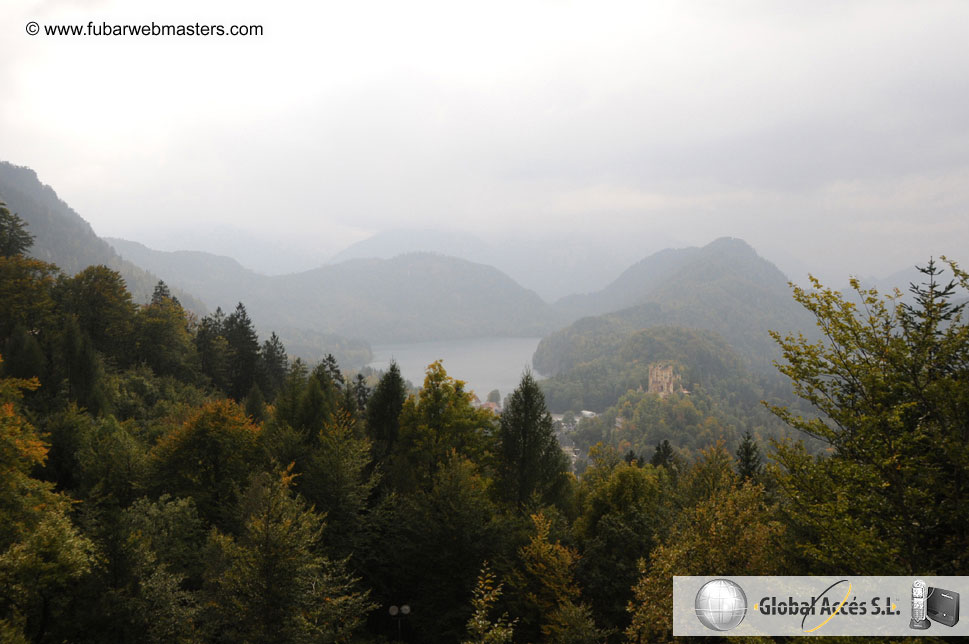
(316, 405)
(82, 368)
(273, 365)
(270, 584)
(361, 392)
(289, 396)
(530, 459)
(383, 412)
(348, 403)
(213, 349)
(332, 369)
(243, 352)
(749, 464)
(255, 404)
(163, 293)
(23, 356)
(14, 238)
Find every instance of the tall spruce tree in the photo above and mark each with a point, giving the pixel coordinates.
(270, 583)
(383, 412)
(749, 462)
(273, 366)
(530, 460)
(243, 352)
(213, 349)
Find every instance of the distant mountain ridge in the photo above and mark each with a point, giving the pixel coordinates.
(556, 266)
(724, 287)
(409, 298)
(211, 277)
(63, 237)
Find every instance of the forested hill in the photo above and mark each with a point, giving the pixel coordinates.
(62, 237)
(214, 278)
(410, 298)
(724, 287)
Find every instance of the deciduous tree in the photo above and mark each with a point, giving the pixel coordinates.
(890, 381)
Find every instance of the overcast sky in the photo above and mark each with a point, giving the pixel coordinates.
(835, 134)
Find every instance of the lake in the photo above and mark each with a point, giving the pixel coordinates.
(484, 363)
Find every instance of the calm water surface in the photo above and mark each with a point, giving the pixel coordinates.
(483, 363)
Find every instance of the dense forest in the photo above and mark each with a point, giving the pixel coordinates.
(170, 477)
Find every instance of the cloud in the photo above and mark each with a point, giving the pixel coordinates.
(791, 124)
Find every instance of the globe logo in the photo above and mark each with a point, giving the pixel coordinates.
(721, 605)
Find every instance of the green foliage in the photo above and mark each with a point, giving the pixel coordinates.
(623, 509)
(163, 340)
(724, 528)
(26, 297)
(14, 238)
(105, 313)
(243, 352)
(213, 349)
(273, 366)
(430, 547)
(889, 380)
(336, 479)
(172, 531)
(383, 412)
(38, 571)
(529, 460)
(140, 395)
(598, 380)
(438, 421)
(481, 628)
(287, 408)
(547, 596)
(208, 458)
(255, 404)
(723, 288)
(62, 236)
(270, 584)
(749, 463)
(83, 370)
(113, 465)
(42, 554)
(316, 403)
(23, 355)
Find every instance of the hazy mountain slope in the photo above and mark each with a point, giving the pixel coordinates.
(632, 287)
(724, 287)
(558, 264)
(702, 358)
(62, 237)
(413, 297)
(391, 243)
(212, 277)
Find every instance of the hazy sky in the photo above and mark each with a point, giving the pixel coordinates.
(834, 134)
